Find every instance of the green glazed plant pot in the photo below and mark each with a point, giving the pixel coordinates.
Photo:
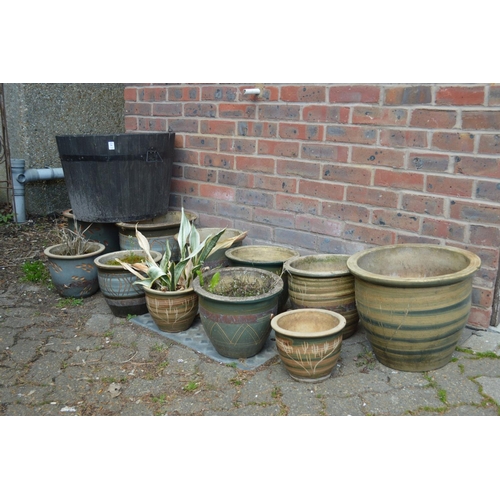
(309, 342)
(74, 275)
(157, 231)
(414, 301)
(172, 312)
(268, 257)
(238, 327)
(117, 284)
(323, 281)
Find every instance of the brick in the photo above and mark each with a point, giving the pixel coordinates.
(216, 93)
(396, 220)
(369, 234)
(453, 141)
(412, 238)
(489, 144)
(482, 297)
(397, 96)
(477, 166)
(238, 146)
(178, 142)
(460, 96)
(479, 317)
(257, 233)
(349, 134)
(200, 174)
(138, 108)
(298, 168)
(257, 129)
(301, 132)
(255, 164)
(354, 94)
(428, 162)
(485, 236)
(444, 229)
(201, 142)
(276, 184)
(403, 138)
(488, 191)
(198, 205)
(433, 118)
(379, 116)
(279, 112)
(276, 218)
(318, 189)
(278, 148)
(324, 152)
(130, 123)
(183, 125)
(234, 211)
(420, 204)
(217, 127)
(387, 157)
(234, 178)
(345, 211)
(152, 94)
(182, 186)
(295, 239)
(130, 94)
(237, 111)
(474, 212)
(187, 93)
(325, 114)
(254, 198)
(167, 109)
(218, 192)
(303, 93)
(295, 203)
(372, 196)
(347, 174)
(400, 179)
(216, 160)
(494, 97)
(481, 120)
(449, 186)
(186, 156)
(203, 110)
(152, 124)
(319, 225)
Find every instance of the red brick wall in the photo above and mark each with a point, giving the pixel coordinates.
(330, 168)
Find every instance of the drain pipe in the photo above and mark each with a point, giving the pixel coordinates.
(21, 175)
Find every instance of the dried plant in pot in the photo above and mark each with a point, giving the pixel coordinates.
(71, 263)
(168, 284)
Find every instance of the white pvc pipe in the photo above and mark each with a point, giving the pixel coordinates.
(251, 91)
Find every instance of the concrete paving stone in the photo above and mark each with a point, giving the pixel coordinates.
(16, 323)
(300, 398)
(472, 411)
(83, 357)
(73, 344)
(354, 384)
(475, 367)
(491, 387)
(342, 407)
(36, 333)
(136, 388)
(483, 341)
(259, 389)
(137, 409)
(7, 340)
(45, 368)
(119, 355)
(99, 323)
(400, 401)
(250, 411)
(8, 375)
(71, 386)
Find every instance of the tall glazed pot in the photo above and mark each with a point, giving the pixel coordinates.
(414, 301)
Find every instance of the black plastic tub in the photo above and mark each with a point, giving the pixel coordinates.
(117, 178)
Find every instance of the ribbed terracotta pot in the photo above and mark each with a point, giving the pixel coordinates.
(74, 275)
(414, 301)
(238, 327)
(323, 281)
(268, 257)
(172, 312)
(309, 342)
(117, 284)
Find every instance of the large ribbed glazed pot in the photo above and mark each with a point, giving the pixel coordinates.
(323, 281)
(414, 301)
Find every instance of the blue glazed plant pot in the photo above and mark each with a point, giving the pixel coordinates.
(74, 275)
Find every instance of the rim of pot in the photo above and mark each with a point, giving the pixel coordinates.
(151, 224)
(152, 291)
(232, 253)
(290, 265)
(441, 279)
(49, 252)
(277, 288)
(341, 324)
(99, 261)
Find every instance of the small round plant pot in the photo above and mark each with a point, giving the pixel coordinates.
(414, 301)
(268, 257)
(323, 281)
(157, 231)
(238, 327)
(309, 342)
(117, 284)
(172, 312)
(74, 275)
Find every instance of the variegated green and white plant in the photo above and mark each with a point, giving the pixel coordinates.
(169, 275)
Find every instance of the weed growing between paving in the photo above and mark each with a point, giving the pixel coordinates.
(69, 302)
(35, 272)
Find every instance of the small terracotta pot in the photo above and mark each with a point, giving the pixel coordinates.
(309, 342)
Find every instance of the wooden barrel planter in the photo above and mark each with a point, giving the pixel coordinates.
(323, 281)
(414, 301)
